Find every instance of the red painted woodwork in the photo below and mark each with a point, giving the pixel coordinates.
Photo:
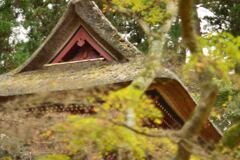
(81, 47)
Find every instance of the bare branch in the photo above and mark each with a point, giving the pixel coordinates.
(162, 134)
(145, 26)
(189, 146)
(201, 113)
(188, 31)
(200, 116)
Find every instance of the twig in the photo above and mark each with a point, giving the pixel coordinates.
(163, 134)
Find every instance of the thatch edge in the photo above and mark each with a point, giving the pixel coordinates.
(91, 74)
(45, 52)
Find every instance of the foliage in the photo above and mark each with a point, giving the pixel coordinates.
(227, 110)
(37, 17)
(128, 27)
(104, 135)
(7, 21)
(131, 100)
(54, 157)
(221, 56)
(226, 15)
(118, 129)
(90, 136)
(232, 136)
(153, 11)
(40, 17)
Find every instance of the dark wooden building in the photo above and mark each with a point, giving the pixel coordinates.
(85, 51)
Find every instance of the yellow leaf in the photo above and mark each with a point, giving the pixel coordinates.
(157, 121)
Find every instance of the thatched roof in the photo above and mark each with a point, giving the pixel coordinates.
(88, 15)
(71, 76)
(34, 76)
(83, 75)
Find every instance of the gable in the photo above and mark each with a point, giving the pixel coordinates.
(102, 39)
(81, 47)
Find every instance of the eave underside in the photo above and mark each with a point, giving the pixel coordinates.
(209, 132)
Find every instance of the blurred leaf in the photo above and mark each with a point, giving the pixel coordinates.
(232, 137)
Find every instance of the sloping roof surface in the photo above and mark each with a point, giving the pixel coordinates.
(73, 76)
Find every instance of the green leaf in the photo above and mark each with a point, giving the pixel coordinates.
(231, 138)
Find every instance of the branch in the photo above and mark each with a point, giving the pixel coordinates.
(128, 13)
(163, 134)
(200, 116)
(172, 135)
(188, 31)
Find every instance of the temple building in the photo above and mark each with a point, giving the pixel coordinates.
(85, 51)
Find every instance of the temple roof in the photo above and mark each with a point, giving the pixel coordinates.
(36, 75)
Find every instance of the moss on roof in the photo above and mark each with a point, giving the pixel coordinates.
(73, 76)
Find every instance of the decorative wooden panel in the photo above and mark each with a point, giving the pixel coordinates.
(170, 119)
(81, 47)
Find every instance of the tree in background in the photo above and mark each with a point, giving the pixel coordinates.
(7, 21)
(226, 15)
(225, 19)
(36, 16)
